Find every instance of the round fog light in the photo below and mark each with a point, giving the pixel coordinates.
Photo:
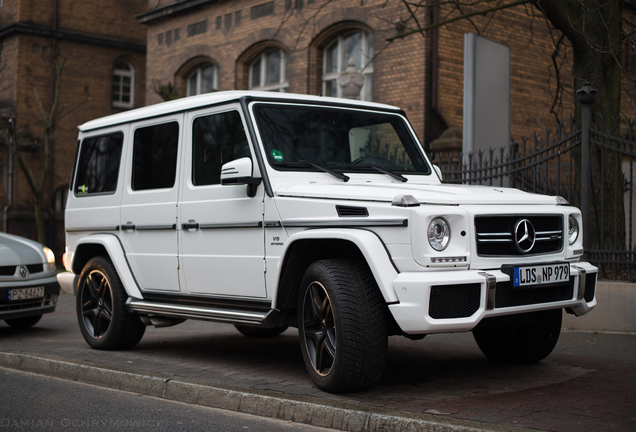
(438, 234)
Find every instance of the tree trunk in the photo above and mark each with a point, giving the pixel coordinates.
(39, 216)
(594, 29)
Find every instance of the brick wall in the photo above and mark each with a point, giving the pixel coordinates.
(400, 69)
(113, 18)
(9, 13)
(532, 82)
(86, 79)
(233, 48)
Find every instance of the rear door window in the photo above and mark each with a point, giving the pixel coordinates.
(155, 156)
(98, 165)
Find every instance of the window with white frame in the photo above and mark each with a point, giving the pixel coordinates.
(269, 72)
(123, 85)
(359, 45)
(203, 80)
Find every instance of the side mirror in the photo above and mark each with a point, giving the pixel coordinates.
(438, 171)
(239, 172)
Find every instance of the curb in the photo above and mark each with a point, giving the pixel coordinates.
(265, 404)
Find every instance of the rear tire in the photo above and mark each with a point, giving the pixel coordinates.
(258, 332)
(23, 322)
(342, 326)
(103, 317)
(529, 340)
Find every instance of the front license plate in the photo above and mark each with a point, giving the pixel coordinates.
(26, 293)
(548, 274)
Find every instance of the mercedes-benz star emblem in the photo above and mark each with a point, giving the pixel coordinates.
(524, 236)
(23, 271)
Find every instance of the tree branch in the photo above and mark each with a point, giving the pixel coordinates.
(458, 18)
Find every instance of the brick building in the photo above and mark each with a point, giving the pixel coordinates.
(104, 48)
(229, 45)
(299, 46)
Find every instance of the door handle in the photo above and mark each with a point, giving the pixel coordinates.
(190, 225)
(128, 226)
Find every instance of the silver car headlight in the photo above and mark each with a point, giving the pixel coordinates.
(439, 234)
(50, 257)
(573, 230)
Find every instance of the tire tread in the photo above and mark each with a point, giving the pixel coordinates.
(361, 355)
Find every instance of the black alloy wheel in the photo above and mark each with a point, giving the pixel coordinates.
(97, 303)
(319, 328)
(103, 317)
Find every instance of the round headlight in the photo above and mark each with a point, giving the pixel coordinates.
(573, 230)
(438, 234)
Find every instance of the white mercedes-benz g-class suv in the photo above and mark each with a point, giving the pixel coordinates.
(269, 210)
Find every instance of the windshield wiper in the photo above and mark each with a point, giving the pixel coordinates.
(395, 175)
(336, 174)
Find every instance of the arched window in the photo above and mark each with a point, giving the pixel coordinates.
(269, 72)
(204, 79)
(359, 45)
(123, 85)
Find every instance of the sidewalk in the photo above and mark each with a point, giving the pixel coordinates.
(440, 383)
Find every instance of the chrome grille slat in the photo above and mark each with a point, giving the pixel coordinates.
(495, 234)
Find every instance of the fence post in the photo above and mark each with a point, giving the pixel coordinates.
(586, 95)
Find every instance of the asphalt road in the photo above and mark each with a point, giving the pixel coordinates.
(587, 384)
(36, 402)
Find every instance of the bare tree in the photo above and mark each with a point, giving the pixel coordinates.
(593, 29)
(593, 32)
(36, 178)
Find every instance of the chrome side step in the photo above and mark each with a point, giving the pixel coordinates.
(196, 312)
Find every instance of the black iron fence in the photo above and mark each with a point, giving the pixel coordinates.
(551, 163)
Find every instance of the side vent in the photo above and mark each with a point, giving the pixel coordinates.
(348, 211)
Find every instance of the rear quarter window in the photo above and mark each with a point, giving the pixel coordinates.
(98, 164)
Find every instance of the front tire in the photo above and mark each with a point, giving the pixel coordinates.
(23, 322)
(528, 340)
(103, 317)
(342, 326)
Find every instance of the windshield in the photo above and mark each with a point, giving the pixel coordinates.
(338, 139)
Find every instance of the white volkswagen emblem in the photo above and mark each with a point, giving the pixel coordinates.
(524, 236)
(23, 271)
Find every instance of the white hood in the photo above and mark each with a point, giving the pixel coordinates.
(440, 194)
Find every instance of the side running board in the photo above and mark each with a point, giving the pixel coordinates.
(197, 312)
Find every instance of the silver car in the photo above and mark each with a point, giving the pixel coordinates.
(28, 282)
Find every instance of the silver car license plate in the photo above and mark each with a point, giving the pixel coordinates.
(26, 293)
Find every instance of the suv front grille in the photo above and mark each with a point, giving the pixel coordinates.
(496, 237)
